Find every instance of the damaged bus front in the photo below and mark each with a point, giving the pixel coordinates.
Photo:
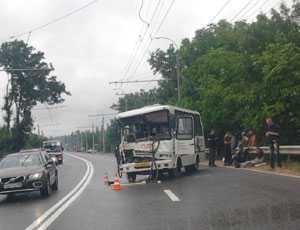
(157, 139)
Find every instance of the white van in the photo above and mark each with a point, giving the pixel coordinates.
(159, 138)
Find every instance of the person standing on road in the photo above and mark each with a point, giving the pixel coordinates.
(227, 147)
(272, 135)
(212, 142)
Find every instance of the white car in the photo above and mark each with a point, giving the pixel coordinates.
(91, 151)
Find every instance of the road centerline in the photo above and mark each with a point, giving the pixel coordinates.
(171, 195)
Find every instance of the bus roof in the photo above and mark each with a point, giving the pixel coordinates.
(153, 108)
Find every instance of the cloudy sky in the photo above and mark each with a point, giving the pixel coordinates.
(97, 44)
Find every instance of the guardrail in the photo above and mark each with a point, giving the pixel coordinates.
(284, 149)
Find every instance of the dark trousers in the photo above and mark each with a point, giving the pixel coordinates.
(228, 155)
(275, 154)
(211, 156)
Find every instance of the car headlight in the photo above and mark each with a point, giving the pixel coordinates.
(35, 176)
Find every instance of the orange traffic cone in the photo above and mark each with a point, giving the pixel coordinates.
(116, 185)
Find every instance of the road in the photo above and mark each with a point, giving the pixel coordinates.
(218, 198)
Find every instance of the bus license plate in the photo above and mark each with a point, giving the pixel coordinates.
(142, 165)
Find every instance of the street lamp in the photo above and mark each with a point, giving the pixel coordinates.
(177, 64)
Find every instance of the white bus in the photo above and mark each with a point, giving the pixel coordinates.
(159, 138)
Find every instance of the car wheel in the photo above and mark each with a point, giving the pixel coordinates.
(55, 185)
(189, 168)
(197, 163)
(45, 191)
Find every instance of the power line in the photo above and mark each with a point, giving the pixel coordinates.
(249, 10)
(146, 44)
(34, 29)
(157, 30)
(25, 69)
(268, 8)
(143, 20)
(241, 10)
(220, 11)
(136, 49)
(134, 81)
(102, 114)
(52, 107)
(258, 8)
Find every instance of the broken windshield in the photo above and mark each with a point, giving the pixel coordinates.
(144, 127)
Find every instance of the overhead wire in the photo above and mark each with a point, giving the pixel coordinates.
(222, 8)
(268, 8)
(140, 16)
(34, 29)
(249, 9)
(241, 10)
(220, 11)
(152, 35)
(135, 52)
(255, 11)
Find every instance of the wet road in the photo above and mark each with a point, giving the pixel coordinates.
(209, 199)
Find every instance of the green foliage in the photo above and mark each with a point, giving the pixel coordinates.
(137, 100)
(26, 88)
(34, 141)
(237, 74)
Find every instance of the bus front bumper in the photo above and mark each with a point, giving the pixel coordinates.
(145, 167)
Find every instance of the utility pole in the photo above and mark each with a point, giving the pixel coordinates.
(103, 135)
(86, 142)
(102, 126)
(86, 138)
(38, 129)
(80, 141)
(93, 136)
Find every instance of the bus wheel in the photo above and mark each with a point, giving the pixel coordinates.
(197, 163)
(131, 177)
(177, 170)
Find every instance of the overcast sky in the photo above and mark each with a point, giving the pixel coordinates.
(93, 47)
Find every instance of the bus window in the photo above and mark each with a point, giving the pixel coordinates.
(198, 126)
(185, 128)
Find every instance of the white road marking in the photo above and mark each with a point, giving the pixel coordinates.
(56, 210)
(171, 195)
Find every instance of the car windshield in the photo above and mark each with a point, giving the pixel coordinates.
(52, 146)
(22, 160)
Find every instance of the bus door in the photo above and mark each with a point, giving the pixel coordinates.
(185, 143)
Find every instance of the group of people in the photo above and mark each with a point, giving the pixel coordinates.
(236, 152)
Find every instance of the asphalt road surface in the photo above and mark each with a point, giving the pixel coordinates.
(217, 198)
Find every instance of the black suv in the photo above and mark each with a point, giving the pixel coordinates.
(26, 171)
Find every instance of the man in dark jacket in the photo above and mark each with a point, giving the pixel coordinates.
(272, 135)
(212, 142)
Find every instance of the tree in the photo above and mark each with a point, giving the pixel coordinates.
(281, 68)
(236, 74)
(27, 87)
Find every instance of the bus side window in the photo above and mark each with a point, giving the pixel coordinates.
(185, 128)
(198, 126)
